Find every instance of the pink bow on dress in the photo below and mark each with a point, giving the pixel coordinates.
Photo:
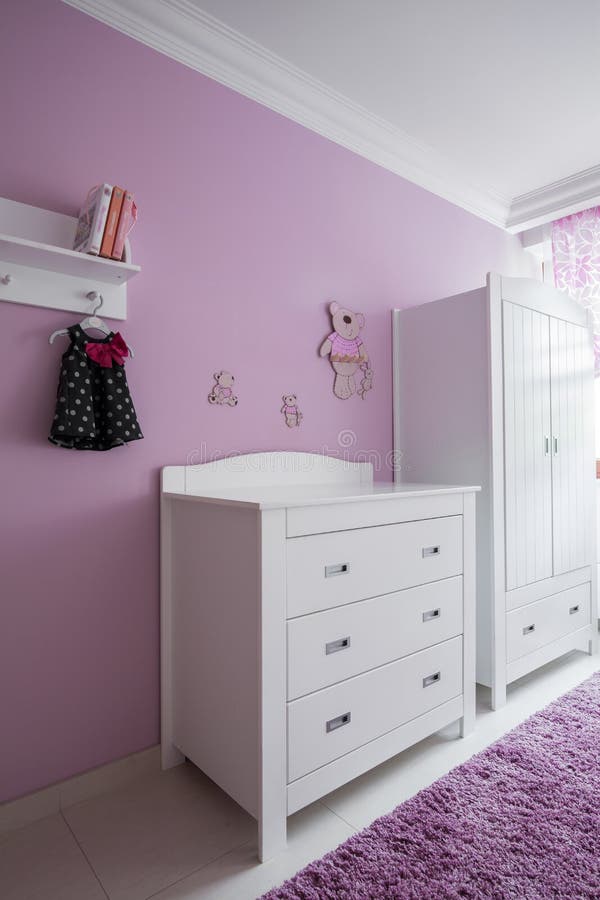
(104, 353)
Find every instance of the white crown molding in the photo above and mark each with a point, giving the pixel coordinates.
(569, 195)
(181, 30)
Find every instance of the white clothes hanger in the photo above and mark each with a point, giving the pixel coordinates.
(89, 322)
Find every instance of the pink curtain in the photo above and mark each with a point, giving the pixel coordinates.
(576, 262)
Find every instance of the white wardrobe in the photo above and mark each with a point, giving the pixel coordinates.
(495, 386)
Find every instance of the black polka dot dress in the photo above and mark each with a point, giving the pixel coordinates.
(94, 409)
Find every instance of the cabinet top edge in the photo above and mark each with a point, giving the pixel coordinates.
(285, 497)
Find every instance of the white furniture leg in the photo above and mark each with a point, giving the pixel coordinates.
(498, 694)
(467, 722)
(272, 751)
(593, 645)
(169, 754)
(272, 837)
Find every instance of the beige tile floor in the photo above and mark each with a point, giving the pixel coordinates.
(176, 836)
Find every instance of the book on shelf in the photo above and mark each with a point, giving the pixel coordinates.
(112, 219)
(127, 220)
(92, 219)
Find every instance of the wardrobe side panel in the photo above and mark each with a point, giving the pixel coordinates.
(215, 622)
(442, 418)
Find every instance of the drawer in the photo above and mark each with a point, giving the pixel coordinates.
(329, 723)
(342, 516)
(531, 627)
(328, 570)
(327, 647)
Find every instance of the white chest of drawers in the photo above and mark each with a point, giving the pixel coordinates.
(314, 624)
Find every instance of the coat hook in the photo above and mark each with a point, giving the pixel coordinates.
(7, 279)
(95, 297)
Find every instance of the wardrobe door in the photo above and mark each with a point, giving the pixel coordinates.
(527, 446)
(571, 368)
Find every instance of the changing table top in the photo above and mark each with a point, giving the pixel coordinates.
(284, 480)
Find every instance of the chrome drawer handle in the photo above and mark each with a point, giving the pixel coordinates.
(574, 609)
(339, 569)
(431, 551)
(528, 629)
(335, 646)
(432, 679)
(338, 722)
(431, 614)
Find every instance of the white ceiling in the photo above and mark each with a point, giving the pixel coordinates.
(479, 101)
(510, 90)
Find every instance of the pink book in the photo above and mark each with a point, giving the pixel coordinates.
(127, 220)
(110, 229)
(92, 220)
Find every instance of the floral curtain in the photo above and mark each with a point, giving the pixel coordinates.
(576, 262)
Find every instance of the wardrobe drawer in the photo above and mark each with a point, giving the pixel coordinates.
(328, 570)
(327, 647)
(329, 723)
(531, 627)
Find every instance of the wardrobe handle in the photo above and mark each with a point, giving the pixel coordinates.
(338, 722)
(556, 446)
(547, 445)
(334, 646)
(528, 629)
(431, 614)
(338, 569)
(431, 551)
(432, 679)
(573, 610)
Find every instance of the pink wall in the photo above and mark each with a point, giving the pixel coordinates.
(249, 223)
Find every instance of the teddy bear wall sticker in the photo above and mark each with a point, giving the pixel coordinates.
(291, 413)
(222, 390)
(347, 353)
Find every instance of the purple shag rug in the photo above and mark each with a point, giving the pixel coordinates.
(519, 820)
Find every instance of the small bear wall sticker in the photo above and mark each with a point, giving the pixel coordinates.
(346, 350)
(291, 413)
(222, 390)
(367, 380)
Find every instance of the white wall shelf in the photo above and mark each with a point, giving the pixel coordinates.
(66, 262)
(39, 268)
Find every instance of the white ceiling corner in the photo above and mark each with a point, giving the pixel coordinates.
(579, 191)
(186, 32)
